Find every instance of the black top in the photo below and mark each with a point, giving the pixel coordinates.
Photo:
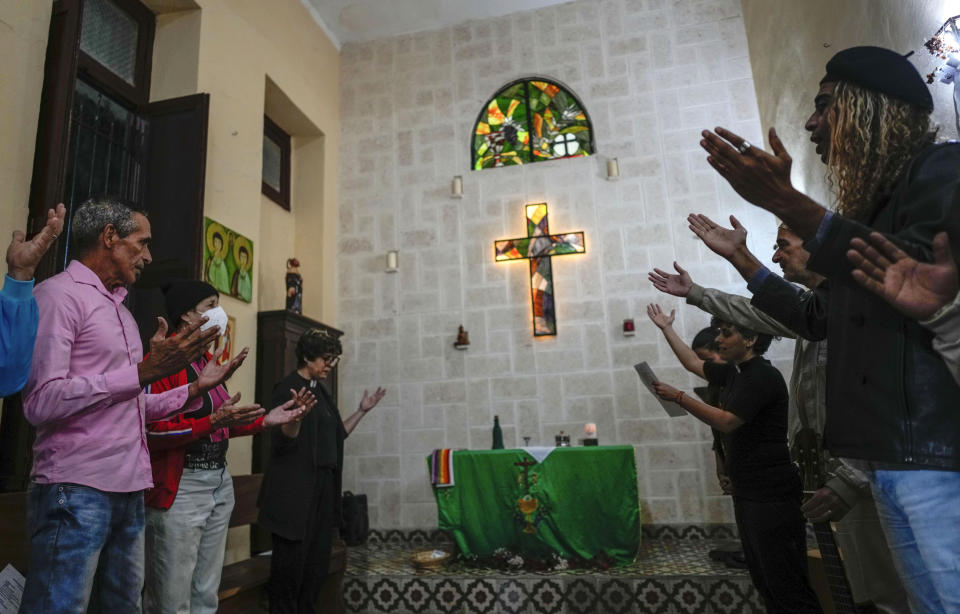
(757, 457)
(323, 419)
(297, 464)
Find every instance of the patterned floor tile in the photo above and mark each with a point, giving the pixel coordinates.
(480, 596)
(512, 597)
(416, 595)
(580, 595)
(672, 575)
(385, 595)
(615, 596)
(447, 596)
(546, 596)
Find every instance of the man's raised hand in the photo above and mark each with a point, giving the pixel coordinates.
(23, 256)
(757, 176)
(677, 285)
(170, 355)
(915, 289)
(722, 241)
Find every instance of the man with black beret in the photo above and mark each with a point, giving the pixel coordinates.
(892, 404)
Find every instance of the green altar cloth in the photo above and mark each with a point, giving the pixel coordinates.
(577, 502)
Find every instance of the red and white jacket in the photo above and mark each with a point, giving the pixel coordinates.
(168, 439)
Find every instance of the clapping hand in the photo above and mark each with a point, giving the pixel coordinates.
(369, 401)
(915, 289)
(24, 256)
(757, 176)
(230, 414)
(659, 318)
(677, 285)
(722, 241)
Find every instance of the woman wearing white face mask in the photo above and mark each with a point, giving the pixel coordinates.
(188, 509)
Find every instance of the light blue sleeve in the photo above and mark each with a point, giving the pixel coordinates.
(18, 331)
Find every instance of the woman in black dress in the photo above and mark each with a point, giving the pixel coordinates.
(300, 496)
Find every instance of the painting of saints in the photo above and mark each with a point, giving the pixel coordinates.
(242, 284)
(215, 268)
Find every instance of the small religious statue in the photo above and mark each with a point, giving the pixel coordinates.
(463, 340)
(294, 286)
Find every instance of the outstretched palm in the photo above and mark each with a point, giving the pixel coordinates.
(677, 285)
(369, 401)
(722, 241)
(23, 256)
(214, 374)
(916, 289)
(658, 317)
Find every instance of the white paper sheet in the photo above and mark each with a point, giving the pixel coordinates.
(11, 589)
(648, 378)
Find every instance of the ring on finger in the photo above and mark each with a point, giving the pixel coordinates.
(744, 147)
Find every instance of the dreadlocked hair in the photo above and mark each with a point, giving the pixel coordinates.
(873, 137)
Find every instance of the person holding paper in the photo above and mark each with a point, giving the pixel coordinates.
(752, 417)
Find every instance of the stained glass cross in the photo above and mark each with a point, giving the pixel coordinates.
(539, 246)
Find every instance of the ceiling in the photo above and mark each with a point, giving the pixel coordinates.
(347, 21)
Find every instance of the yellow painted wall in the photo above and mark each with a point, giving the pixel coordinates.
(23, 45)
(790, 43)
(228, 49)
(241, 44)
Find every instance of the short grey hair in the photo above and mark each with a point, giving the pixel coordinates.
(94, 215)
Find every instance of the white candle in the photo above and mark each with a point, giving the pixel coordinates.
(392, 261)
(456, 188)
(613, 168)
(590, 430)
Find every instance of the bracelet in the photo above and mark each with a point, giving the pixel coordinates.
(678, 398)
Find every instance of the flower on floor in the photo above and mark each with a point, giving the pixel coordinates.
(510, 560)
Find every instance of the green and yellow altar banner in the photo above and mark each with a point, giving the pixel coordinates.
(578, 502)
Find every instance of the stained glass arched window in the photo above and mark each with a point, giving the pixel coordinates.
(531, 120)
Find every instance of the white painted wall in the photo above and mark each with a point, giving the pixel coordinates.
(652, 74)
(791, 42)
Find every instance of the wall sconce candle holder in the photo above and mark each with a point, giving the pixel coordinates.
(613, 169)
(392, 261)
(456, 187)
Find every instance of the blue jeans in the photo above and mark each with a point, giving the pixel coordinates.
(920, 515)
(80, 534)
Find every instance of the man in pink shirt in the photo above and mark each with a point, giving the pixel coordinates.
(85, 396)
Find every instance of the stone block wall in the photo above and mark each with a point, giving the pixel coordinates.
(651, 74)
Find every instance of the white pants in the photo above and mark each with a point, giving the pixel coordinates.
(185, 545)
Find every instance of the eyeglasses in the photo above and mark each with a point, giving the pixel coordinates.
(331, 360)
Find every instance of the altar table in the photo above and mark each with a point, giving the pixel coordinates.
(578, 502)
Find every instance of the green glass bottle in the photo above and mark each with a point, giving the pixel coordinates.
(497, 434)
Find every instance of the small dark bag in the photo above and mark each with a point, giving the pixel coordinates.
(356, 521)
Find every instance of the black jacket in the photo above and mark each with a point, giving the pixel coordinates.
(292, 473)
(890, 397)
